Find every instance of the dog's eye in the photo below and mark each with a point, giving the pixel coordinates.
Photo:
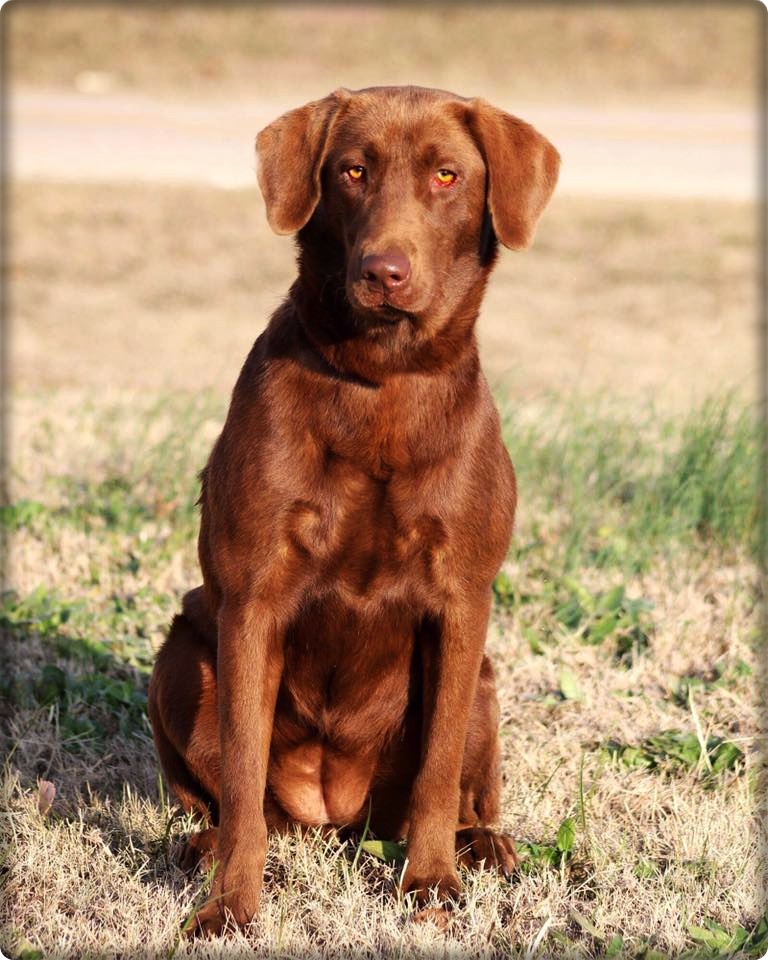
(445, 177)
(356, 173)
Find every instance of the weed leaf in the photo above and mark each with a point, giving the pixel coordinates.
(614, 946)
(566, 835)
(569, 685)
(586, 925)
(386, 850)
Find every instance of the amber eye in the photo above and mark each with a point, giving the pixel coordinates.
(356, 173)
(445, 177)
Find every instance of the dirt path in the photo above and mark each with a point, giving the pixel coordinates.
(613, 152)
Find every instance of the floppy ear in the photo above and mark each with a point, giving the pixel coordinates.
(522, 171)
(290, 153)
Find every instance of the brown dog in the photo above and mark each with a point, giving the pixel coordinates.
(358, 504)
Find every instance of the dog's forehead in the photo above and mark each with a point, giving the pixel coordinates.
(407, 116)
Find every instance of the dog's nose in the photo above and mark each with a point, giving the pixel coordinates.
(386, 270)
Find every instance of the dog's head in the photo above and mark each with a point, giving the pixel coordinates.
(403, 192)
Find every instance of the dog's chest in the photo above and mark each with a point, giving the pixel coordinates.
(369, 540)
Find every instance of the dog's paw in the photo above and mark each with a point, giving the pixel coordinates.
(482, 848)
(219, 912)
(208, 921)
(445, 885)
(233, 900)
(439, 916)
(198, 850)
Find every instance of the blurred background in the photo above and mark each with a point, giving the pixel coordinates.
(140, 257)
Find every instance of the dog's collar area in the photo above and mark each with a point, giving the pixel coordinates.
(312, 358)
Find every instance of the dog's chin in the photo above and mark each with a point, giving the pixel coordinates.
(380, 314)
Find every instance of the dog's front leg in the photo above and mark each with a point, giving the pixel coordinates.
(250, 663)
(452, 651)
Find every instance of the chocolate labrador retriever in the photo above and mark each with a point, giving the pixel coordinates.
(357, 505)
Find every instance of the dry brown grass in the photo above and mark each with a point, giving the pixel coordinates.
(121, 292)
(655, 852)
(684, 53)
(142, 288)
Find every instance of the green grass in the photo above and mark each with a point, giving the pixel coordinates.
(595, 699)
(88, 668)
(146, 473)
(597, 488)
(624, 488)
(599, 491)
(672, 751)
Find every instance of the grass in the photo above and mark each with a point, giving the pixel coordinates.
(625, 637)
(595, 51)
(629, 486)
(168, 286)
(626, 624)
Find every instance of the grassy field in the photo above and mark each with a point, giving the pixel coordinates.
(626, 631)
(681, 53)
(625, 638)
(626, 624)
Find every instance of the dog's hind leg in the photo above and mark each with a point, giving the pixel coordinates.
(183, 710)
(477, 843)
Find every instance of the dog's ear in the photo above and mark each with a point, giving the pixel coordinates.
(522, 171)
(290, 154)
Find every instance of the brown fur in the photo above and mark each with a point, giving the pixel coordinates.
(357, 505)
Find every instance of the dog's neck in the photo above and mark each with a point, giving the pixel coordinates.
(355, 350)
(367, 351)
